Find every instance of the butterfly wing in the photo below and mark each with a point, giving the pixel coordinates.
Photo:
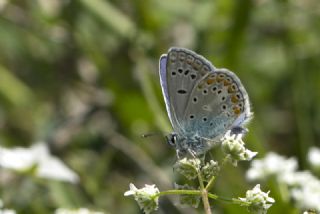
(216, 104)
(180, 72)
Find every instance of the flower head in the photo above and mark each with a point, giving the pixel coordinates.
(272, 165)
(233, 146)
(257, 201)
(146, 197)
(38, 156)
(209, 170)
(314, 157)
(188, 167)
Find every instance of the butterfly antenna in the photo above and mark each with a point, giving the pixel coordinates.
(152, 134)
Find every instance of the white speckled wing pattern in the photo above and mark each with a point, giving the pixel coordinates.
(201, 100)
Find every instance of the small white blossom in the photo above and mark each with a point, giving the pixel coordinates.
(146, 197)
(271, 165)
(257, 201)
(47, 166)
(76, 211)
(314, 157)
(233, 146)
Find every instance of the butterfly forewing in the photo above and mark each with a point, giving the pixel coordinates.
(184, 69)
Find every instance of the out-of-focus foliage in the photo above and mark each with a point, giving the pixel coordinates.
(82, 75)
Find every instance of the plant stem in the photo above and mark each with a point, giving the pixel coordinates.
(178, 192)
(210, 183)
(204, 195)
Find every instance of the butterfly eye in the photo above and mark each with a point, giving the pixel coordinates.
(214, 88)
(224, 107)
(204, 119)
(193, 76)
(195, 99)
(180, 70)
(191, 116)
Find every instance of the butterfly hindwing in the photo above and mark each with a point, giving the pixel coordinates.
(217, 103)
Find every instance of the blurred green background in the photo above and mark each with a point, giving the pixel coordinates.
(82, 76)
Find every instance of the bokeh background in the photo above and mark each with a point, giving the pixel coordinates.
(82, 76)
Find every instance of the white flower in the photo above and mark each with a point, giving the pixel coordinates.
(233, 146)
(303, 187)
(146, 197)
(76, 211)
(257, 201)
(305, 190)
(271, 165)
(314, 157)
(47, 166)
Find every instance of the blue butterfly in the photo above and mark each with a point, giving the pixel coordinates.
(203, 102)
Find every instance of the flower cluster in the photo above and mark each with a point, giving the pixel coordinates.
(257, 201)
(304, 188)
(233, 146)
(47, 166)
(188, 167)
(147, 197)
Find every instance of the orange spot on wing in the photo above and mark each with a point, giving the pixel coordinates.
(210, 81)
(234, 99)
(220, 79)
(236, 110)
(226, 83)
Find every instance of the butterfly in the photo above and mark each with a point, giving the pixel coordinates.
(202, 102)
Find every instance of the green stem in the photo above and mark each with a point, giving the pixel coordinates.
(178, 192)
(204, 195)
(210, 183)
